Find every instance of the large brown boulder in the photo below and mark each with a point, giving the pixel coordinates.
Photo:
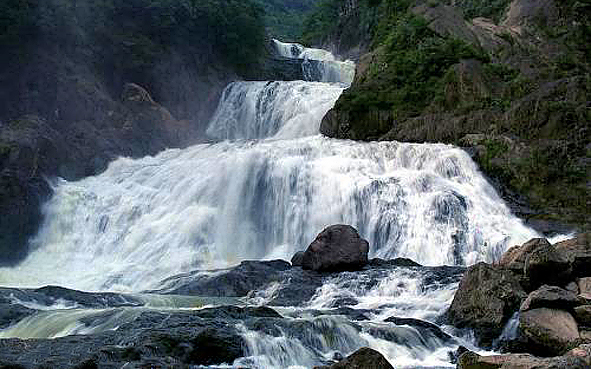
(550, 297)
(364, 358)
(471, 360)
(514, 258)
(548, 332)
(337, 248)
(486, 298)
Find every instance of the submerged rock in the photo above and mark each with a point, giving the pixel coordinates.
(336, 248)
(364, 358)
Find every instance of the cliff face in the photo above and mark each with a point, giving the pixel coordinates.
(513, 89)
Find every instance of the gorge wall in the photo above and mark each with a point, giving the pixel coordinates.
(508, 81)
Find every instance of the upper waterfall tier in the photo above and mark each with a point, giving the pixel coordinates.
(272, 109)
(328, 68)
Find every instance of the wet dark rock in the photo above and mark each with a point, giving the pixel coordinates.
(237, 281)
(171, 338)
(336, 248)
(11, 314)
(394, 262)
(426, 328)
(485, 300)
(364, 358)
(297, 259)
(548, 332)
(551, 297)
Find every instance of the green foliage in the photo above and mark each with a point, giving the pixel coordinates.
(411, 73)
(322, 21)
(492, 9)
(284, 19)
(136, 33)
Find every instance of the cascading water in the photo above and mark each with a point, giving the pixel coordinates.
(325, 68)
(266, 195)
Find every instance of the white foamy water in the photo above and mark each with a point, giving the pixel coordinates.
(272, 109)
(215, 205)
(318, 64)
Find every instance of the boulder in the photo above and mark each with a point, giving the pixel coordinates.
(578, 252)
(486, 298)
(546, 265)
(550, 297)
(427, 329)
(548, 332)
(297, 259)
(364, 358)
(583, 315)
(514, 258)
(471, 360)
(336, 248)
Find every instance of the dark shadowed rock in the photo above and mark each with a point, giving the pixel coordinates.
(422, 326)
(394, 262)
(583, 315)
(485, 300)
(551, 297)
(548, 332)
(364, 358)
(546, 265)
(236, 282)
(297, 259)
(578, 252)
(336, 248)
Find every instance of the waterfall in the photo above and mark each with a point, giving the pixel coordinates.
(213, 205)
(327, 67)
(272, 109)
(264, 193)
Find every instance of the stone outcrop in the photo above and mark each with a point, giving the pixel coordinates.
(550, 297)
(576, 359)
(336, 248)
(552, 318)
(514, 258)
(364, 358)
(486, 298)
